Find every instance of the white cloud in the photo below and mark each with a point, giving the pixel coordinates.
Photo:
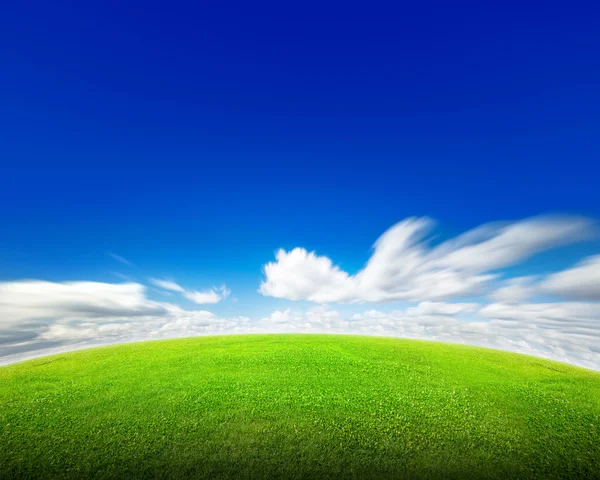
(581, 282)
(281, 317)
(167, 284)
(404, 267)
(205, 297)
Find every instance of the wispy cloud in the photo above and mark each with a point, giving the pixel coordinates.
(121, 259)
(122, 276)
(404, 267)
(213, 295)
(167, 285)
(225, 292)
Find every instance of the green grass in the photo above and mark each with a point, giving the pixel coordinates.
(298, 406)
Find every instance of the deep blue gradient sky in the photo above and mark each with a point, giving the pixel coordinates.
(196, 139)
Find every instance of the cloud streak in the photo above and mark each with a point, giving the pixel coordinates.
(121, 259)
(210, 296)
(38, 300)
(167, 285)
(581, 282)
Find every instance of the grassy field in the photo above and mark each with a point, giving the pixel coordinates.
(298, 406)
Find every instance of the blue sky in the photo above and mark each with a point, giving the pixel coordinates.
(195, 141)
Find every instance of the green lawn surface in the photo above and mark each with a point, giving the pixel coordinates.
(298, 406)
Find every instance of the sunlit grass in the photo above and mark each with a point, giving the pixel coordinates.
(298, 406)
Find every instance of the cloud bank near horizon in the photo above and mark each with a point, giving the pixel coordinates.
(566, 332)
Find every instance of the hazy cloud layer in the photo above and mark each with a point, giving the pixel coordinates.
(35, 315)
(404, 267)
(565, 331)
(41, 317)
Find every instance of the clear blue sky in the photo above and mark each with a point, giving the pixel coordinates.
(195, 139)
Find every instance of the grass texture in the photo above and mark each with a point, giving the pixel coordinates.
(298, 406)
